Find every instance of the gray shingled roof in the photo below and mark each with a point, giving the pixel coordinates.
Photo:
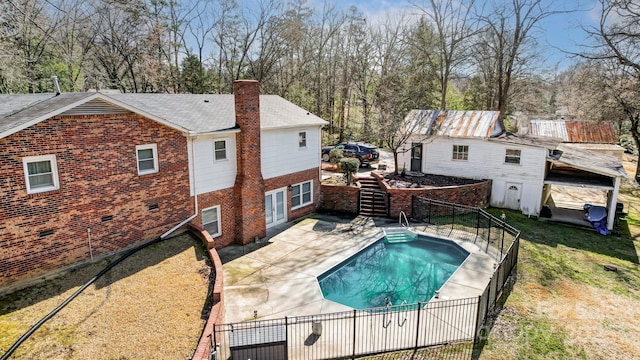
(196, 113)
(18, 110)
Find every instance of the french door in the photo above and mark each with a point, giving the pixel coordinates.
(275, 204)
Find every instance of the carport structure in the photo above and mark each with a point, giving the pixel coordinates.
(572, 166)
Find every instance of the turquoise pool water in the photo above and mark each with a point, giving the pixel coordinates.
(401, 266)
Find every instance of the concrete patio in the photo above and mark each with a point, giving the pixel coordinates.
(276, 277)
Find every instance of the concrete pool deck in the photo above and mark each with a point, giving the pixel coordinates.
(276, 277)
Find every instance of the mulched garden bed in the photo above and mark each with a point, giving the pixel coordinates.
(426, 180)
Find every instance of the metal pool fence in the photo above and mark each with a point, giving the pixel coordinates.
(443, 329)
(467, 223)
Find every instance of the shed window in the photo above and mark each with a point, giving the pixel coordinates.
(512, 156)
(41, 173)
(460, 152)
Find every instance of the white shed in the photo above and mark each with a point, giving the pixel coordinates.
(472, 144)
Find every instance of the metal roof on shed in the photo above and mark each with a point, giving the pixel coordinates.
(454, 123)
(576, 131)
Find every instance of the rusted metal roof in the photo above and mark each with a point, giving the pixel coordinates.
(576, 131)
(454, 123)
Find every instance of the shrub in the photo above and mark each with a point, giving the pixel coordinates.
(335, 155)
(349, 166)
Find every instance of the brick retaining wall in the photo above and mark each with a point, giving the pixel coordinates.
(216, 315)
(476, 195)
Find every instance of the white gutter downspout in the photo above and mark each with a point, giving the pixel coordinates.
(192, 175)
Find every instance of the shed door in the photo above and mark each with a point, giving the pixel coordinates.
(512, 196)
(416, 157)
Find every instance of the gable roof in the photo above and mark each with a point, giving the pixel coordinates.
(454, 123)
(571, 131)
(190, 113)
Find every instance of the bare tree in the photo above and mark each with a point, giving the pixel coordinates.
(617, 51)
(453, 27)
(29, 26)
(507, 46)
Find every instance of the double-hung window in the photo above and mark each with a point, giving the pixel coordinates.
(41, 173)
(460, 152)
(211, 220)
(147, 157)
(302, 139)
(220, 150)
(301, 194)
(512, 156)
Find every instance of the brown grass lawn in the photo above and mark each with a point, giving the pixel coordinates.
(150, 306)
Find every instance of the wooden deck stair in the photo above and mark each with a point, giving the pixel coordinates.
(373, 201)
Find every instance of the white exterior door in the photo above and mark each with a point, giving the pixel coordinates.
(512, 196)
(275, 204)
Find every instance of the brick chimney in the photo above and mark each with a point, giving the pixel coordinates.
(249, 187)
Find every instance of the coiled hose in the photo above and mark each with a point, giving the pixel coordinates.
(37, 325)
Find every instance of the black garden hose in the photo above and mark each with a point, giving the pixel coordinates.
(35, 327)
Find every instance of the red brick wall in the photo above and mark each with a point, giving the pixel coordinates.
(224, 198)
(339, 198)
(296, 178)
(471, 195)
(249, 187)
(97, 167)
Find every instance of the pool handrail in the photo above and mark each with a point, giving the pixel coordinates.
(406, 221)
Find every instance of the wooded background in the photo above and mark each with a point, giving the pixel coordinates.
(363, 75)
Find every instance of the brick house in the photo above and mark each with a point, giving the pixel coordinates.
(84, 175)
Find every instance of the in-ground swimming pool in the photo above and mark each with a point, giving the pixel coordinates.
(402, 266)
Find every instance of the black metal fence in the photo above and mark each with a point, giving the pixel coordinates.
(493, 235)
(443, 329)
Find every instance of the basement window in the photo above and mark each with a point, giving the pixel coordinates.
(153, 207)
(301, 194)
(106, 218)
(211, 220)
(512, 156)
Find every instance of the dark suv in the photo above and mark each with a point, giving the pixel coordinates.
(366, 153)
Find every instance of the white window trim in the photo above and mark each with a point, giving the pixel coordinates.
(302, 204)
(226, 150)
(154, 148)
(453, 153)
(54, 171)
(306, 139)
(219, 233)
(519, 157)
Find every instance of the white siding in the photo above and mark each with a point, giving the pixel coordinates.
(209, 175)
(486, 161)
(281, 154)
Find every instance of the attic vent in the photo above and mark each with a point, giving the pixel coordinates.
(96, 107)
